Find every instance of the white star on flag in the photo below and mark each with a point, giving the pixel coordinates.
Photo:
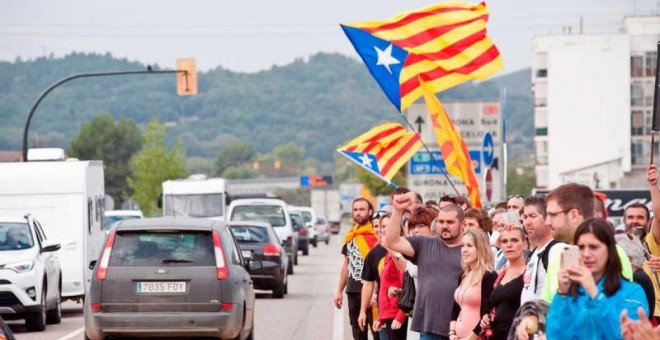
(385, 58)
(366, 161)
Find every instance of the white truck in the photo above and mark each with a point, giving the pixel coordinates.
(68, 199)
(195, 196)
(328, 203)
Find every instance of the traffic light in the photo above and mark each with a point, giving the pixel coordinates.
(186, 82)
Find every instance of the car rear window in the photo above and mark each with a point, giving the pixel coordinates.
(273, 214)
(187, 248)
(250, 234)
(307, 216)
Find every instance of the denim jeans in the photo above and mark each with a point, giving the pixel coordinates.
(431, 336)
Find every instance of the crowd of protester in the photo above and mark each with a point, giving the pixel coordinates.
(540, 267)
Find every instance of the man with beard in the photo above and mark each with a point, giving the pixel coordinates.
(438, 260)
(636, 219)
(357, 244)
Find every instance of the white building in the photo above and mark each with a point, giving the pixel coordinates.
(593, 105)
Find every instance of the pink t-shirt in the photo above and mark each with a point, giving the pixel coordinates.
(470, 301)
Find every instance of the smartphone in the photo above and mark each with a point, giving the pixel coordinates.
(570, 256)
(511, 217)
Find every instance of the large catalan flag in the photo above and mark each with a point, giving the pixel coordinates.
(443, 44)
(383, 150)
(454, 151)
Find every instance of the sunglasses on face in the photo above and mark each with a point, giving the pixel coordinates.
(378, 214)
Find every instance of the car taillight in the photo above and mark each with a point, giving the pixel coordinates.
(271, 250)
(220, 264)
(95, 307)
(302, 232)
(327, 229)
(102, 270)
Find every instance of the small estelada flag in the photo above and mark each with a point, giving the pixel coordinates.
(383, 150)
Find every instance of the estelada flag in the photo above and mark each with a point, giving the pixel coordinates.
(453, 148)
(383, 150)
(443, 44)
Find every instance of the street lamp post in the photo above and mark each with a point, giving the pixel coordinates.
(75, 76)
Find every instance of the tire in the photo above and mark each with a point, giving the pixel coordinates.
(327, 241)
(37, 321)
(289, 268)
(55, 316)
(315, 242)
(278, 291)
(286, 286)
(305, 251)
(295, 257)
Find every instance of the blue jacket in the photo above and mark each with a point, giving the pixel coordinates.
(581, 317)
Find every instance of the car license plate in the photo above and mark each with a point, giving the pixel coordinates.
(247, 254)
(161, 287)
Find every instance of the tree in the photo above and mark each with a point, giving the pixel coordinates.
(520, 179)
(290, 157)
(153, 165)
(376, 185)
(235, 154)
(115, 144)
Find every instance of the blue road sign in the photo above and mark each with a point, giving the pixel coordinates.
(423, 163)
(488, 149)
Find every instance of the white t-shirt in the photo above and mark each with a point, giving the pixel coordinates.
(534, 276)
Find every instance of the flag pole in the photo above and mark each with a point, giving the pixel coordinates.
(655, 126)
(412, 128)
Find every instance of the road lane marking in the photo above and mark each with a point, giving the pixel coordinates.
(338, 325)
(73, 334)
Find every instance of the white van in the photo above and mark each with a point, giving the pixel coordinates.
(269, 210)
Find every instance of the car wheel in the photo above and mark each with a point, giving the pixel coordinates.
(286, 286)
(54, 316)
(305, 250)
(289, 268)
(295, 258)
(314, 242)
(37, 321)
(327, 241)
(278, 291)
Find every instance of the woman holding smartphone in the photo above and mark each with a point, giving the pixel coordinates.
(592, 293)
(472, 297)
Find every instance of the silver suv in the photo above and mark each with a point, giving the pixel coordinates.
(30, 275)
(170, 277)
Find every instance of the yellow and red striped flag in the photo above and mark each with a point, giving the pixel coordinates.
(454, 151)
(383, 150)
(443, 44)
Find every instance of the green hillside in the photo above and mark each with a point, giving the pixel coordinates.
(318, 103)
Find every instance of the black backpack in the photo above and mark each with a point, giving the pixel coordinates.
(546, 253)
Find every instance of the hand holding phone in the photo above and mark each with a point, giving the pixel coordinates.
(570, 256)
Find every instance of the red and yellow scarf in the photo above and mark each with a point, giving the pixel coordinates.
(365, 238)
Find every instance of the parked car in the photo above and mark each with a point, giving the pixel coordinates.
(170, 277)
(110, 217)
(322, 229)
(31, 279)
(269, 210)
(303, 233)
(258, 241)
(334, 226)
(309, 216)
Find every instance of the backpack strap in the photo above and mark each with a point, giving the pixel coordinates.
(545, 254)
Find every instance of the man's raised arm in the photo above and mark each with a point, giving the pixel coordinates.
(393, 239)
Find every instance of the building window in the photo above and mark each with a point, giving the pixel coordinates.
(651, 62)
(648, 124)
(542, 131)
(542, 73)
(637, 66)
(640, 151)
(637, 123)
(636, 94)
(648, 93)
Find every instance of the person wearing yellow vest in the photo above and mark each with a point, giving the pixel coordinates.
(357, 243)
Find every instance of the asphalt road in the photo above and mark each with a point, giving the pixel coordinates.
(305, 313)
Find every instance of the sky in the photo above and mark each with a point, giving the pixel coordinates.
(250, 36)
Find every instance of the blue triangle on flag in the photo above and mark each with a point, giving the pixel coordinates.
(366, 160)
(392, 58)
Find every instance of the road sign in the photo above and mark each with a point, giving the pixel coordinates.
(423, 163)
(186, 82)
(316, 181)
(488, 149)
